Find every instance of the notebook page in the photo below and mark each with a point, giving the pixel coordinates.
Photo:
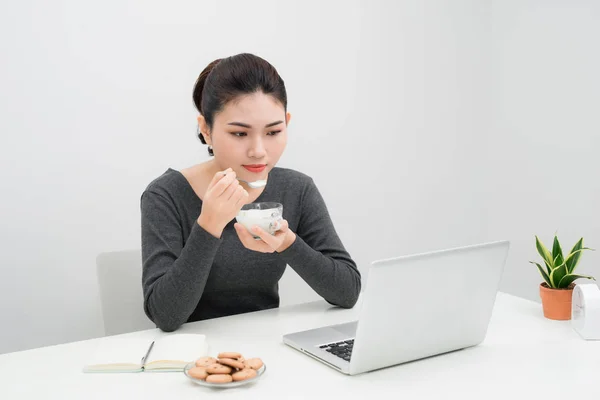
(116, 353)
(180, 347)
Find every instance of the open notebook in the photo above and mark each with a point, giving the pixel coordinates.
(127, 354)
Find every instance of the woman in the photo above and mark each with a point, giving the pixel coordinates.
(198, 263)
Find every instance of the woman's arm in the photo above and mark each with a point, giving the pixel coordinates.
(319, 256)
(173, 275)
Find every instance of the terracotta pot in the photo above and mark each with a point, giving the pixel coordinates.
(556, 302)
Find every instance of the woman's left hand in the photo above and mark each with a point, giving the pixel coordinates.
(281, 240)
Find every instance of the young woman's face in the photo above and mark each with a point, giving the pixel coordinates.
(249, 135)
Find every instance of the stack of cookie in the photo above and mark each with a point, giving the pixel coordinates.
(227, 367)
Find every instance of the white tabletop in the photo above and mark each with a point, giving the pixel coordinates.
(524, 356)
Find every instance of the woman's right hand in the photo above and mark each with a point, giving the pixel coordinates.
(222, 201)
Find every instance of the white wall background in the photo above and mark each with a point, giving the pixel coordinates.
(396, 96)
(544, 164)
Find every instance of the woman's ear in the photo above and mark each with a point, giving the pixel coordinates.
(288, 116)
(203, 127)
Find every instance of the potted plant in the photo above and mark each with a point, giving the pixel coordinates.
(557, 289)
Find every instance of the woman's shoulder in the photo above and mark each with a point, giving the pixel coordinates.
(292, 177)
(169, 182)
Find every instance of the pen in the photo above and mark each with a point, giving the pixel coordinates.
(147, 353)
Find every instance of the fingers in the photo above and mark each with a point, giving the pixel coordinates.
(269, 243)
(242, 232)
(272, 241)
(223, 184)
(249, 242)
(218, 176)
(239, 197)
(230, 190)
(283, 226)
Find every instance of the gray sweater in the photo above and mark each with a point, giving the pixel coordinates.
(190, 275)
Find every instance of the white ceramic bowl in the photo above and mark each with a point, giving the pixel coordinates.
(266, 215)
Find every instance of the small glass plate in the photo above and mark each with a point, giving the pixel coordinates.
(259, 373)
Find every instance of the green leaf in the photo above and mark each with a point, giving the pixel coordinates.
(573, 257)
(544, 274)
(544, 252)
(569, 278)
(557, 252)
(557, 274)
(558, 261)
(548, 268)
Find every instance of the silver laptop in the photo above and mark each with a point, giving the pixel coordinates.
(413, 307)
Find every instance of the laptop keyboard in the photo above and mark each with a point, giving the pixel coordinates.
(342, 349)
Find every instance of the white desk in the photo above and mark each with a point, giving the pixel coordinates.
(523, 356)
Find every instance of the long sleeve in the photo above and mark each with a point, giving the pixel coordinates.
(318, 255)
(174, 275)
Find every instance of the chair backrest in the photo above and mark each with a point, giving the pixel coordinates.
(293, 289)
(120, 280)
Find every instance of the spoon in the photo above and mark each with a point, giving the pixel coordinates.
(255, 184)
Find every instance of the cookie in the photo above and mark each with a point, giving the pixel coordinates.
(219, 378)
(205, 361)
(254, 363)
(243, 374)
(198, 373)
(218, 369)
(229, 354)
(231, 363)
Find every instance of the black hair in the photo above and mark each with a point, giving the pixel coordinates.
(225, 79)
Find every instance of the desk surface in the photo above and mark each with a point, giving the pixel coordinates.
(523, 355)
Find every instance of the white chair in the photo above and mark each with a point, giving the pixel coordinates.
(120, 280)
(293, 289)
